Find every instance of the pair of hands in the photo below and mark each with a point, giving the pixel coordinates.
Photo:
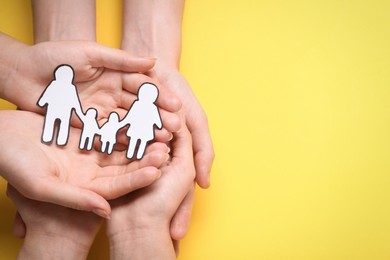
(145, 213)
(98, 86)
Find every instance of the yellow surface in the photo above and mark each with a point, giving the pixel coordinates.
(298, 97)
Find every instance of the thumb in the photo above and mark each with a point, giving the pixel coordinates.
(111, 58)
(69, 196)
(181, 220)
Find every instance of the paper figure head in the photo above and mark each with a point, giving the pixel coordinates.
(113, 117)
(91, 113)
(148, 92)
(64, 73)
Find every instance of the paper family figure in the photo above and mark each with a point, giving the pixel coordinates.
(61, 98)
(142, 117)
(90, 129)
(109, 131)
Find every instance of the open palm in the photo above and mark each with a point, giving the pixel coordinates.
(66, 175)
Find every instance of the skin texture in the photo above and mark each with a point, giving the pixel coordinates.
(54, 232)
(168, 59)
(140, 221)
(153, 29)
(88, 59)
(59, 232)
(66, 175)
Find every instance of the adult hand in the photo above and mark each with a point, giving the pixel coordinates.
(66, 175)
(140, 18)
(196, 120)
(140, 221)
(54, 231)
(29, 69)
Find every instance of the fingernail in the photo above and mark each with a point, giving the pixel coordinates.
(102, 213)
(206, 178)
(170, 136)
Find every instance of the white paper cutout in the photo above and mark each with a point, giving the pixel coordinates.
(90, 129)
(61, 98)
(108, 132)
(142, 117)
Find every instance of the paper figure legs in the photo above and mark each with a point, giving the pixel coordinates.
(108, 132)
(60, 98)
(142, 117)
(90, 129)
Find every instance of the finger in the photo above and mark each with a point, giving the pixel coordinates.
(19, 227)
(119, 185)
(170, 121)
(203, 149)
(102, 56)
(157, 146)
(127, 99)
(119, 159)
(166, 99)
(154, 159)
(163, 136)
(182, 146)
(66, 195)
(181, 220)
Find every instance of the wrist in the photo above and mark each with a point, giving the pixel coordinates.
(64, 20)
(44, 246)
(153, 29)
(140, 242)
(149, 46)
(9, 57)
(62, 235)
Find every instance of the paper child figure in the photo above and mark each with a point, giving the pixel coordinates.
(90, 129)
(108, 132)
(142, 116)
(61, 98)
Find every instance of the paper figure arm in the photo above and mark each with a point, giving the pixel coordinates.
(157, 120)
(43, 99)
(77, 104)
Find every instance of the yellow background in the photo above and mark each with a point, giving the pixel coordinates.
(297, 93)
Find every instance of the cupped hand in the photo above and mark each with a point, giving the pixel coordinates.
(156, 204)
(195, 117)
(203, 152)
(66, 175)
(34, 66)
